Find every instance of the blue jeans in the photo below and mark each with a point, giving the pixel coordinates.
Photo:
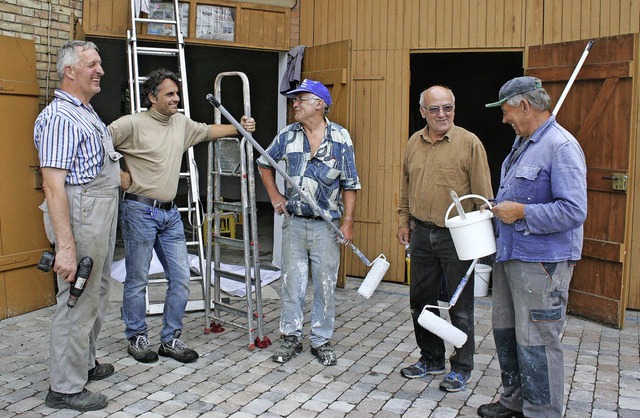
(307, 240)
(432, 255)
(145, 228)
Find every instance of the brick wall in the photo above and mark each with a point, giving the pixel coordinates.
(295, 25)
(48, 23)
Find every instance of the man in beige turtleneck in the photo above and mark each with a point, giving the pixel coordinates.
(152, 143)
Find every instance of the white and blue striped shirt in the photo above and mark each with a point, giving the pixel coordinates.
(67, 135)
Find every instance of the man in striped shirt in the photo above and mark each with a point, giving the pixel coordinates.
(81, 177)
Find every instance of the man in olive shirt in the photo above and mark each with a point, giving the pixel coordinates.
(439, 158)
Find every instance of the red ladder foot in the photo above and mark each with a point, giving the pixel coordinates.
(216, 327)
(264, 343)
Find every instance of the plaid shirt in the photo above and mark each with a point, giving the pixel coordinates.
(322, 175)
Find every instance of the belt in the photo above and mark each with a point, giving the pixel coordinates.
(315, 218)
(148, 201)
(426, 224)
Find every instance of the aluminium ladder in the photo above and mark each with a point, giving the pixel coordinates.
(231, 158)
(194, 206)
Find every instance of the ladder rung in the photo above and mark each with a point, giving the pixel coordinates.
(192, 243)
(228, 206)
(150, 20)
(231, 275)
(149, 50)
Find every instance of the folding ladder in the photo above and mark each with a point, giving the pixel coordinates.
(194, 206)
(230, 158)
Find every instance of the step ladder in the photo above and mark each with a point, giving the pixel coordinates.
(231, 158)
(193, 209)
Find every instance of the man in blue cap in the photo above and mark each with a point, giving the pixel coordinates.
(540, 208)
(318, 155)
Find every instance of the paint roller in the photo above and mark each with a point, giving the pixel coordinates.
(432, 322)
(440, 327)
(379, 266)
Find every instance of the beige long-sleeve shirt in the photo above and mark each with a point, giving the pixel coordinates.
(431, 170)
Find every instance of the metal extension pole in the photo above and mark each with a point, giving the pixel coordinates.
(573, 77)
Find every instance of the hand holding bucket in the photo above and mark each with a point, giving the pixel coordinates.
(472, 233)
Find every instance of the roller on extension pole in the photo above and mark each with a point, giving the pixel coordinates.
(379, 266)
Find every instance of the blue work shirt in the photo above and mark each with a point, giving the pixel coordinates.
(323, 175)
(550, 178)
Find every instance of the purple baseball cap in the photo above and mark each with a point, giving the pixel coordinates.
(313, 87)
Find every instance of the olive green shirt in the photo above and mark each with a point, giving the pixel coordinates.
(432, 169)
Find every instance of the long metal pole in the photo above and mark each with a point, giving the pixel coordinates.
(573, 78)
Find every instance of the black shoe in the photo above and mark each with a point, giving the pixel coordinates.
(140, 349)
(81, 401)
(289, 347)
(101, 371)
(498, 410)
(325, 354)
(178, 350)
(422, 369)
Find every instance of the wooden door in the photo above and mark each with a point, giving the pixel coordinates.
(598, 111)
(331, 65)
(23, 288)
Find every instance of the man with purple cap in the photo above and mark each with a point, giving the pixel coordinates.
(539, 212)
(319, 156)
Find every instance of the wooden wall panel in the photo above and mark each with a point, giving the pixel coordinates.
(385, 32)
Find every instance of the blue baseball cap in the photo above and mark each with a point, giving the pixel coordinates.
(514, 87)
(313, 87)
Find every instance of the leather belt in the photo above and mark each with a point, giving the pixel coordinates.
(148, 201)
(315, 218)
(426, 224)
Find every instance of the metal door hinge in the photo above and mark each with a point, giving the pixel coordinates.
(618, 181)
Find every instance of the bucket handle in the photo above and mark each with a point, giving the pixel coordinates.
(468, 196)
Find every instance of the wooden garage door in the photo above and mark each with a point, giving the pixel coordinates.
(598, 112)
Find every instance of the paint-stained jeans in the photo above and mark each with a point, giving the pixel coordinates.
(529, 307)
(432, 254)
(145, 228)
(307, 241)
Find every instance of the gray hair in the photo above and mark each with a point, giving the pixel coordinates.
(437, 85)
(538, 99)
(68, 54)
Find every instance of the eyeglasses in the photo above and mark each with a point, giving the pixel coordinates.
(434, 110)
(305, 99)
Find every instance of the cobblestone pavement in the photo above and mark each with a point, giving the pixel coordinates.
(373, 340)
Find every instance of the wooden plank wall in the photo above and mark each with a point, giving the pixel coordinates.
(384, 32)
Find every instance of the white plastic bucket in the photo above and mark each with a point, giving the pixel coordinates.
(473, 237)
(481, 280)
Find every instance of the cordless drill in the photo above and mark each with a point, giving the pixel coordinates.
(82, 275)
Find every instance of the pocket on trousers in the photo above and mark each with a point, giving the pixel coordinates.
(546, 315)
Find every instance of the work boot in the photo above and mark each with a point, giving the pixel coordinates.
(325, 354)
(81, 401)
(140, 349)
(422, 369)
(101, 371)
(178, 350)
(498, 410)
(289, 347)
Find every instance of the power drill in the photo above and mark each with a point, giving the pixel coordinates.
(82, 274)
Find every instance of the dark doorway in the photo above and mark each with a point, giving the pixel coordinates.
(475, 79)
(203, 64)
